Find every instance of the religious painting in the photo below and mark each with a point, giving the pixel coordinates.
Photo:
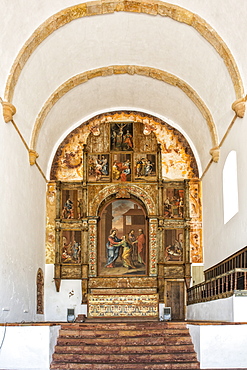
(174, 203)
(145, 167)
(122, 239)
(121, 167)
(71, 246)
(121, 136)
(174, 241)
(98, 167)
(71, 204)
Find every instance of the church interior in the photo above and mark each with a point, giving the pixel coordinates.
(122, 135)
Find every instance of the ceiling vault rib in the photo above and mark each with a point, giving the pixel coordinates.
(138, 6)
(149, 72)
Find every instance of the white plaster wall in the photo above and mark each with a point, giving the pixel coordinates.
(57, 303)
(22, 224)
(221, 240)
(28, 347)
(220, 346)
(217, 310)
(232, 309)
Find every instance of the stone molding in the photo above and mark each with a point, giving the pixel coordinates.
(239, 107)
(32, 157)
(9, 110)
(215, 153)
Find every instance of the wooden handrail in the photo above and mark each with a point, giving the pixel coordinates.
(221, 286)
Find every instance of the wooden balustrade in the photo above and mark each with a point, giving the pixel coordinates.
(221, 286)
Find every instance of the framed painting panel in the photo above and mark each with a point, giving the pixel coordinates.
(174, 245)
(71, 246)
(145, 167)
(122, 248)
(121, 136)
(174, 203)
(98, 167)
(71, 205)
(121, 167)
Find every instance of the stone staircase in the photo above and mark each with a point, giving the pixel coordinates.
(144, 345)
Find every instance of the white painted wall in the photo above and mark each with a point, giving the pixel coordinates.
(57, 303)
(220, 346)
(232, 309)
(28, 347)
(222, 240)
(22, 223)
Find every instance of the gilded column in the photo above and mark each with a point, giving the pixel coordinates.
(153, 246)
(92, 246)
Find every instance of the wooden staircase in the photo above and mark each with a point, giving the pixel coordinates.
(144, 345)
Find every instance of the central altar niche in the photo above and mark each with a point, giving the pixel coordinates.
(123, 239)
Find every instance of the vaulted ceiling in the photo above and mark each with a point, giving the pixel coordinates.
(101, 56)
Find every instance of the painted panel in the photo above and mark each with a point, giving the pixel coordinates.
(122, 239)
(98, 167)
(71, 246)
(121, 136)
(174, 240)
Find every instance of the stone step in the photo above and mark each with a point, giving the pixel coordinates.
(126, 325)
(125, 358)
(145, 341)
(97, 349)
(118, 346)
(116, 366)
(121, 333)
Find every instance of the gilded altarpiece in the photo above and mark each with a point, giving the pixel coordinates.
(124, 214)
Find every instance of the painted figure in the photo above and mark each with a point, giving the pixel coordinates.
(75, 249)
(148, 168)
(98, 170)
(139, 165)
(174, 251)
(132, 240)
(113, 244)
(128, 140)
(141, 247)
(104, 163)
(67, 211)
(115, 171)
(127, 253)
(125, 170)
